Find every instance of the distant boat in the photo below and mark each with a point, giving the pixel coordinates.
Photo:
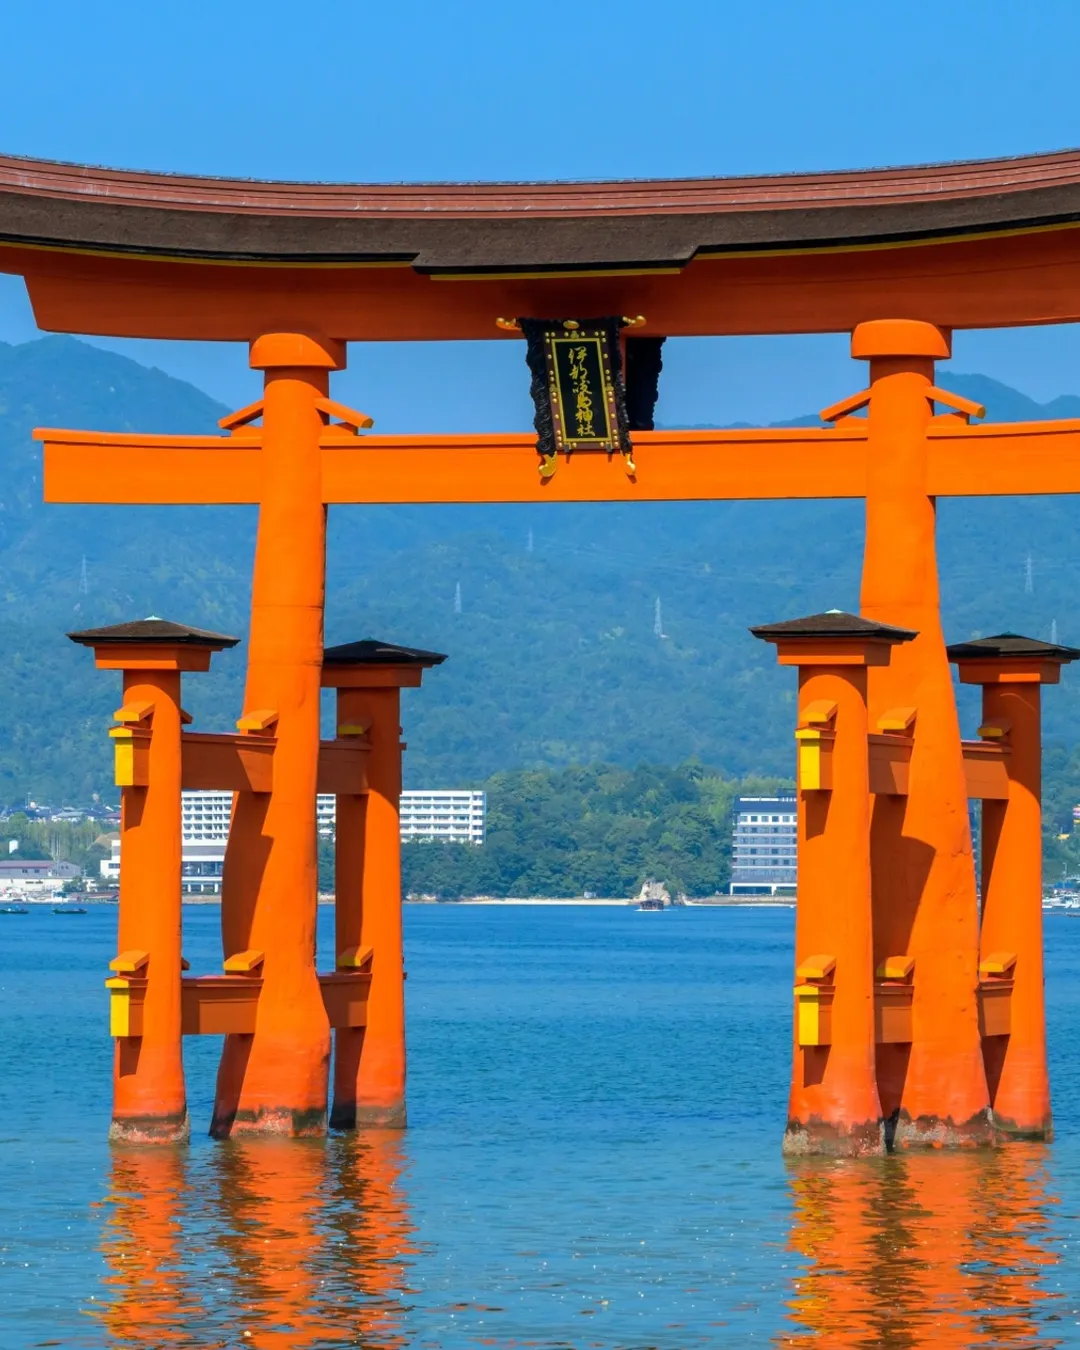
(652, 902)
(13, 909)
(68, 909)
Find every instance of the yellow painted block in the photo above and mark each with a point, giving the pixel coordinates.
(119, 1007)
(353, 729)
(819, 713)
(898, 721)
(132, 713)
(355, 958)
(123, 756)
(816, 967)
(997, 963)
(810, 775)
(130, 962)
(813, 1015)
(261, 719)
(895, 968)
(243, 963)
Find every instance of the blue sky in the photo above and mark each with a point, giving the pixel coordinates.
(474, 89)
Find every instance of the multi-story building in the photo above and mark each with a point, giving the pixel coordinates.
(457, 817)
(763, 857)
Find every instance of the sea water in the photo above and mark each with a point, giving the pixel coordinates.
(596, 1101)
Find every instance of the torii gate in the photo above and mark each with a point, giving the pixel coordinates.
(716, 276)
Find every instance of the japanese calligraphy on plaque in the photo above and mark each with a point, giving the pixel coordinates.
(577, 385)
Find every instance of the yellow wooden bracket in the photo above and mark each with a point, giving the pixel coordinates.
(243, 416)
(815, 768)
(995, 731)
(966, 406)
(244, 963)
(997, 963)
(846, 406)
(130, 962)
(131, 755)
(896, 968)
(353, 729)
(131, 714)
(355, 421)
(897, 721)
(813, 1014)
(816, 967)
(356, 958)
(820, 713)
(119, 1007)
(261, 719)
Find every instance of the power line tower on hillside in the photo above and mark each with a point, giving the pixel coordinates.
(1029, 577)
(457, 598)
(1054, 632)
(529, 542)
(84, 579)
(658, 621)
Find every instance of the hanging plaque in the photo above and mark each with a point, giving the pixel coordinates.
(577, 385)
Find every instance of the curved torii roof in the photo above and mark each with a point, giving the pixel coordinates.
(1004, 216)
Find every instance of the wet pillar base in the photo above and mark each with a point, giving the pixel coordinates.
(1013, 1132)
(166, 1129)
(362, 1116)
(253, 1081)
(943, 1132)
(359, 1102)
(827, 1139)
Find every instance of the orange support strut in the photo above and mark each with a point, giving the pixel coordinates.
(1012, 670)
(834, 1105)
(149, 1099)
(934, 1092)
(275, 1080)
(369, 1061)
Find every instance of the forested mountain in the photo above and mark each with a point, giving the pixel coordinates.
(554, 659)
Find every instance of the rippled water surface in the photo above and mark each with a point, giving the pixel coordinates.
(596, 1101)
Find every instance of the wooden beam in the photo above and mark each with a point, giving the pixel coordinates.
(227, 763)
(217, 1005)
(1010, 459)
(93, 467)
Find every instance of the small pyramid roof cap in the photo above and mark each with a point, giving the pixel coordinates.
(835, 623)
(1004, 645)
(151, 631)
(370, 652)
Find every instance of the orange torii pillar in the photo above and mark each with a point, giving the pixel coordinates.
(275, 1080)
(149, 1100)
(834, 1105)
(1012, 671)
(369, 1061)
(925, 903)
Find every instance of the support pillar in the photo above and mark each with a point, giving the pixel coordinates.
(274, 1080)
(834, 1105)
(369, 1062)
(1012, 671)
(149, 1099)
(934, 1092)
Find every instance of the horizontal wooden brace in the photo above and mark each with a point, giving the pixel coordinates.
(226, 762)
(243, 763)
(986, 768)
(999, 459)
(214, 1005)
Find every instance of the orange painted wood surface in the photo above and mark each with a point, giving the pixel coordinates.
(1010, 460)
(226, 763)
(1024, 277)
(218, 1005)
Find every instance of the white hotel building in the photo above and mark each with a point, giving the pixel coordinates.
(450, 816)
